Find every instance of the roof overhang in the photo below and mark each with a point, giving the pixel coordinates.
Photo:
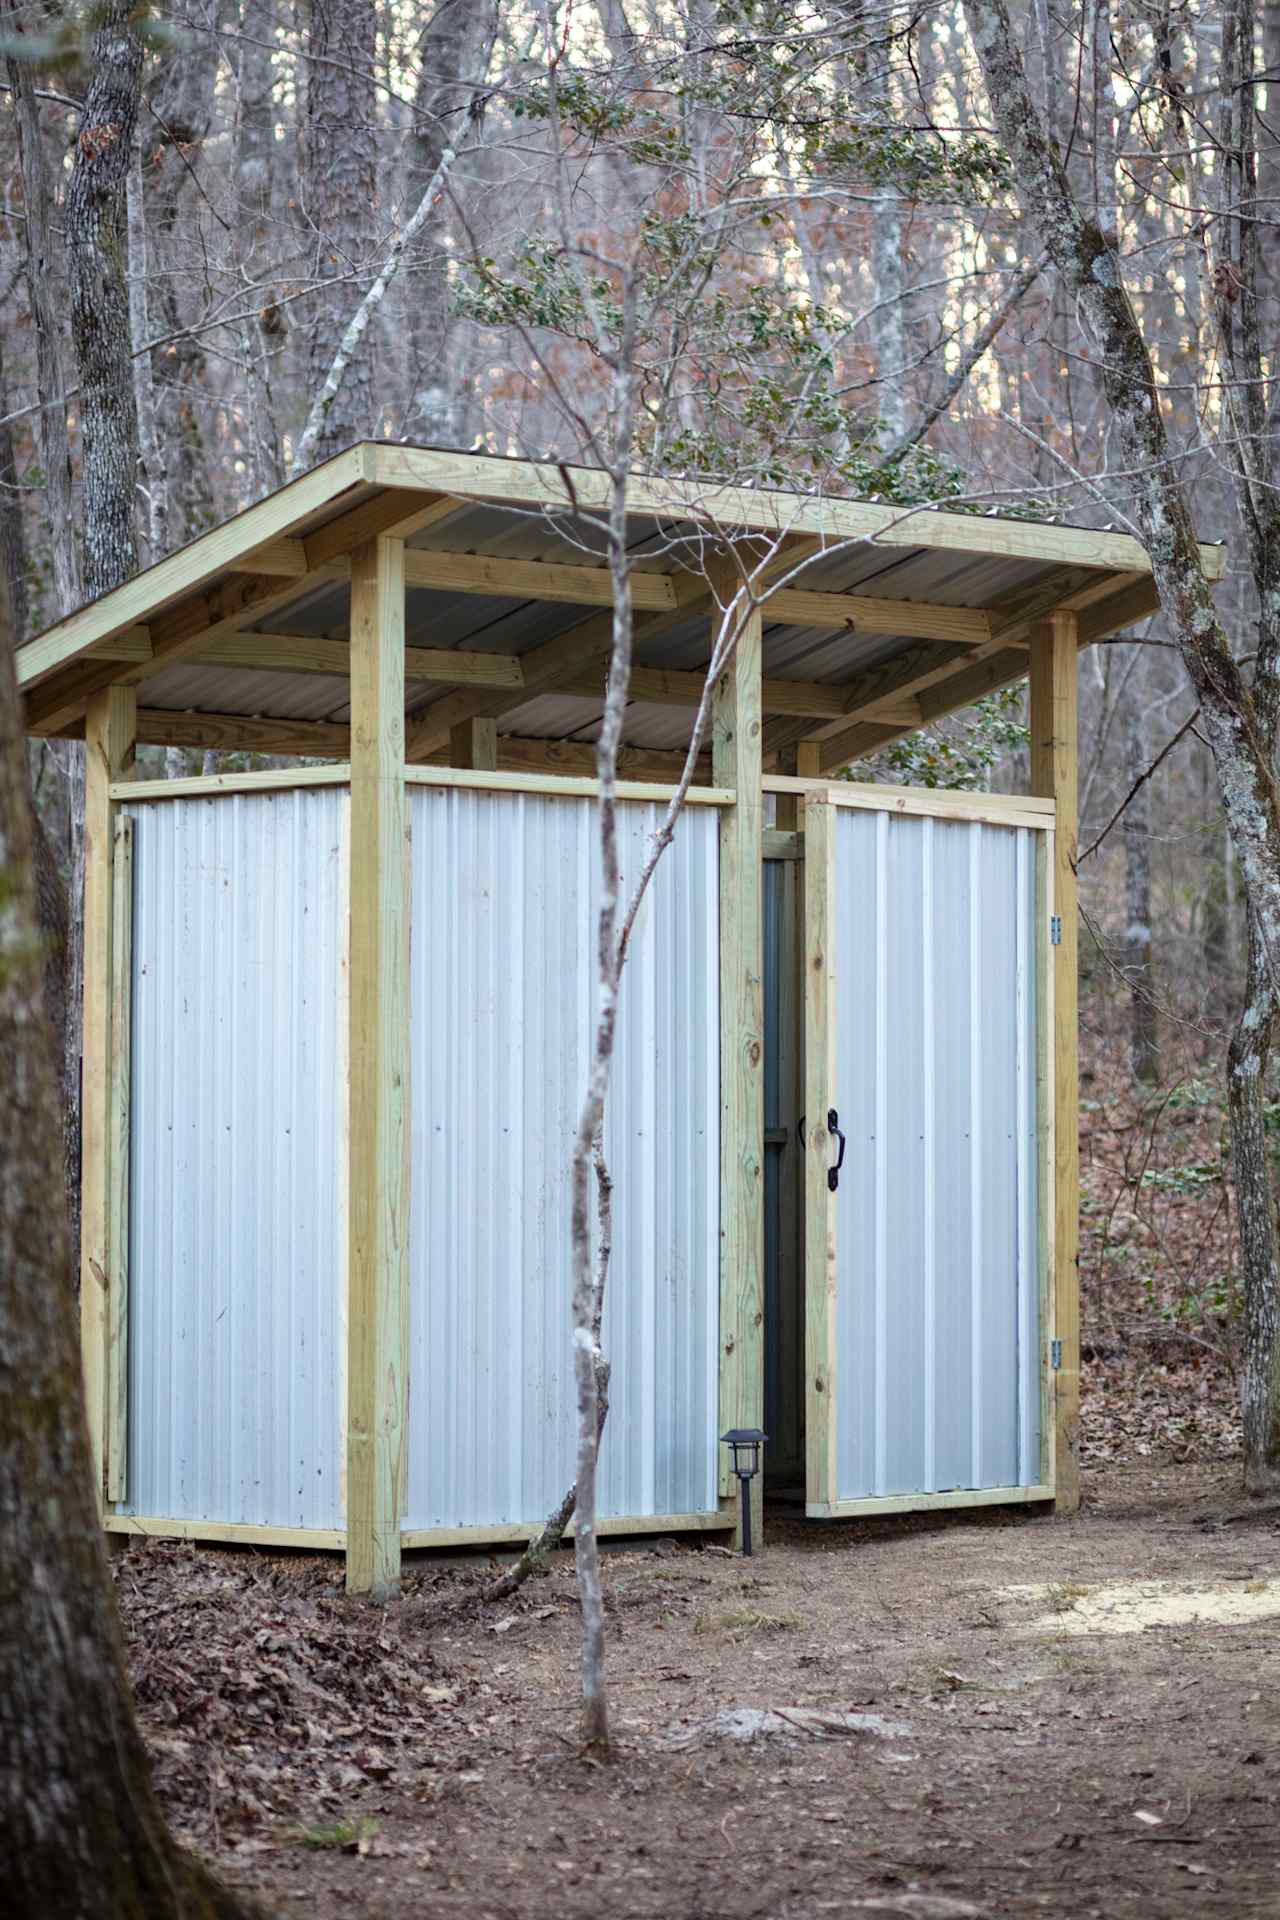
(885, 618)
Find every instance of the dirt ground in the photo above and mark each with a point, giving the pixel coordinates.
(1069, 1718)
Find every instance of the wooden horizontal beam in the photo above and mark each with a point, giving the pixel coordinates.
(234, 733)
(306, 653)
(544, 667)
(518, 754)
(160, 727)
(663, 687)
(946, 694)
(501, 578)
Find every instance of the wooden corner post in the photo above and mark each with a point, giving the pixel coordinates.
(109, 740)
(737, 740)
(378, 1091)
(1054, 774)
(820, 1272)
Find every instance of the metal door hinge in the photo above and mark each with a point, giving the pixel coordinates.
(1055, 930)
(1055, 1354)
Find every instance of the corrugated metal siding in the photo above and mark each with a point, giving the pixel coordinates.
(938, 1317)
(237, 1096)
(504, 904)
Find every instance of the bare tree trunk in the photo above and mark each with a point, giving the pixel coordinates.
(1254, 457)
(174, 135)
(59, 906)
(453, 55)
(97, 242)
(42, 289)
(341, 193)
(1144, 1037)
(155, 471)
(84, 1838)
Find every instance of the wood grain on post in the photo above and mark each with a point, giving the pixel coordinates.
(737, 742)
(1054, 774)
(378, 1091)
(109, 750)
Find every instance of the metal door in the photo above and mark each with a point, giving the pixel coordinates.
(928, 1153)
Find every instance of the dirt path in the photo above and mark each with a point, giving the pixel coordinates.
(1059, 1755)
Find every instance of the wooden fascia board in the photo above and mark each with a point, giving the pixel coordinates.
(742, 510)
(190, 567)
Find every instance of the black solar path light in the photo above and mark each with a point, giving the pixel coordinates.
(745, 1443)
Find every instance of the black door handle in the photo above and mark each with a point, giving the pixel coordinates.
(833, 1126)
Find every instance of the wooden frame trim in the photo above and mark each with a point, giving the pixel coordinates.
(927, 1502)
(118, 1144)
(1054, 772)
(232, 1533)
(821, 1273)
(377, 1172)
(207, 785)
(737, 731)
(109, 747)
(781, 844)
(519, 1534)
(412, 1539)
(1001, 809)
(561, 786)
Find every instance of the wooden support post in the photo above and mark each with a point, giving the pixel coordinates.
(1054, 775)
(474, 743)
(737, 739)
(378, 1092)
(109, 749)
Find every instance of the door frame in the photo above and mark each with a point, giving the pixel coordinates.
(821, 1249)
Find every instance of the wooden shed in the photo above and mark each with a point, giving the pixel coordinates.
(336, 1018)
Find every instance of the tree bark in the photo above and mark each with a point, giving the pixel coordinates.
(173, 139)
(155, 469)
(452, 57)
(341, 198)
(59, 906)
(1239, 285)
(84, 1838)
(97, 249)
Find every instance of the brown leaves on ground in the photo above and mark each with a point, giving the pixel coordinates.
(1160, 1301)
(263, 1690)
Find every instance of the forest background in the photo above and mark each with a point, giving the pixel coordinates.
(351, 219)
